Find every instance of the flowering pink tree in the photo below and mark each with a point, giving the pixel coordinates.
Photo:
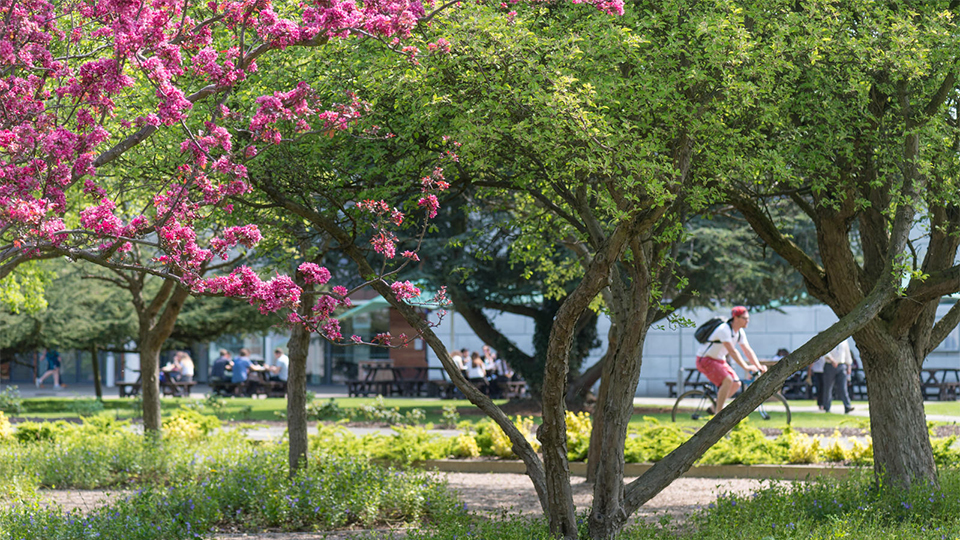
(85, 83)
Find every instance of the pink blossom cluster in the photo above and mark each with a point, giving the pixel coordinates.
(247, 236)
(439, 46)
(314, 273)
(404, 290)
(280, 292)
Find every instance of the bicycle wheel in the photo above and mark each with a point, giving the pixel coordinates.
(774, 408)
(694, 405)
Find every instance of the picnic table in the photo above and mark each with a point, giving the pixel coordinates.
(387, 380)
(694, 379)
(940, 383)
(168, 388)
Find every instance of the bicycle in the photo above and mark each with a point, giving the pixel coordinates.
(696, 404)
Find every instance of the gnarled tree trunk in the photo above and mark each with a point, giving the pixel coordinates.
(901, 442)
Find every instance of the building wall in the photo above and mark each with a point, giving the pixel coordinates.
(668, 350)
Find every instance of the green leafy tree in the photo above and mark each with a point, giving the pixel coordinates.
(859, 135)
(554, 125)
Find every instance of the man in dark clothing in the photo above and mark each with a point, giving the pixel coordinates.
(220, 365)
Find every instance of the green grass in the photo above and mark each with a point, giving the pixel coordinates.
(252, 409)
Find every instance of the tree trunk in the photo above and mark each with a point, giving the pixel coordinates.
(901, 444)
(297, 349)
(596, 430)
(150, 383)
(630, 305)
(95, 362)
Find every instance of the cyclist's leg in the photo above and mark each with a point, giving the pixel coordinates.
(721, 375)
(727, 389)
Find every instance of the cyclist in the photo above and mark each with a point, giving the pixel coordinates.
(713, 355)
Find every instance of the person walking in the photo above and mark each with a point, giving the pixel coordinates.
(836, 370)
(815, 380)
(713, 355)
(53, 368)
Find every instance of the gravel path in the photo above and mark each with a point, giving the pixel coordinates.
(485, 493)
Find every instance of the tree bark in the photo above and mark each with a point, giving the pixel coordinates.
(297, 349)
(150, 381)
(156, 325)
(95, 363)
(901, 443)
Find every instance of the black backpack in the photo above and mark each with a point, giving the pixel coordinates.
(702, 333)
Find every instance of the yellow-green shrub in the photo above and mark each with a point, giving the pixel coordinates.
(189, 425)
(653, 441)
(579, 427)
(802, 448)
(465, 446)
(861, 454)
(747, 445)
(835, 452)
(6, 430)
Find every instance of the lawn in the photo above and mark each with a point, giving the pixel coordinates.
(253, 409)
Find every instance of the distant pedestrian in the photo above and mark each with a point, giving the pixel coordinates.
(53, 368)
(836, 370)
(815, 379)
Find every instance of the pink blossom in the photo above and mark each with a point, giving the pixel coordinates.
(404, 290)
(314, 273)
(432, 204)
(331, 330)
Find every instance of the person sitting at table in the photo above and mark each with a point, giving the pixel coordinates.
(220, 366)
(281, 366)
(186, 367)
(476, 373)
(242, 366)
(171, 371)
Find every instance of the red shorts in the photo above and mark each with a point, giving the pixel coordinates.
(715, 369)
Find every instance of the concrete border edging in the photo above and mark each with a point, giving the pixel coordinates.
(778, 472)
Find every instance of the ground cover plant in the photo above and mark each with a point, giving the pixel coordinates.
(194, 480)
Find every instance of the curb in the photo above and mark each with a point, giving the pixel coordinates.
(773, 472)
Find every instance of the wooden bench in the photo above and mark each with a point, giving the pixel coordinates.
(514, 389)
(440, 388)
(176, 389)
(129, 389)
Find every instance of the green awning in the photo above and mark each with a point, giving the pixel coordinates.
(366, 307)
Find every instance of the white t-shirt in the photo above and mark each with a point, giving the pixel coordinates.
(817, 365)
(841, 353)
(186, 367)
(722, 334)
(284, 363)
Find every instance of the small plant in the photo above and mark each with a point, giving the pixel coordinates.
(137, 405)
(86, 407)
(324, 410)
(245, 412)
(215, 404)
(450, 417)
(10, 401)
(379, 412)
(415, 417)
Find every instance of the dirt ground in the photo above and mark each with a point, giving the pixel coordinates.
(484, 493)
